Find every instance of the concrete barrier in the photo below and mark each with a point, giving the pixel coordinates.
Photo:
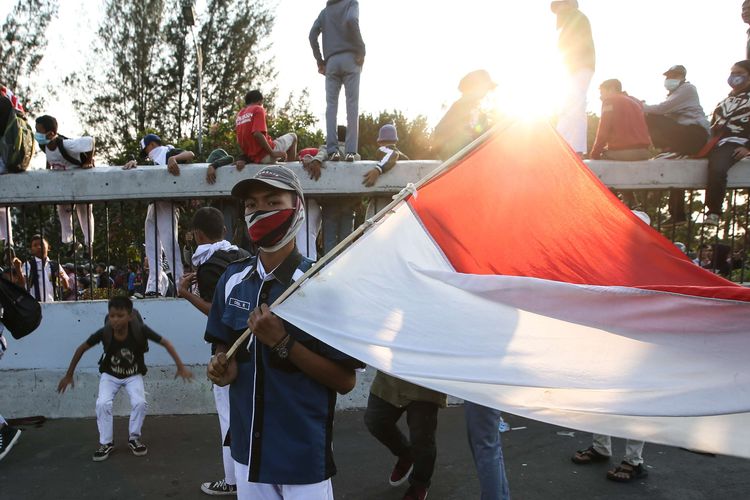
(32, 366)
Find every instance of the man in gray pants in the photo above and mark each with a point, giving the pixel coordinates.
(344, 53)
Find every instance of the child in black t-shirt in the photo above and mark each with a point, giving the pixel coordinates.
(125, 338)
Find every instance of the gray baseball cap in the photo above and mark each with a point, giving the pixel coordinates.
(277, 176)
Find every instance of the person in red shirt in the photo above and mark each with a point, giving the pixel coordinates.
(252, 135)
(622, 134)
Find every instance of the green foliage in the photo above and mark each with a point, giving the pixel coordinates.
(149, 80)
(22, 47)
(295, 116)
(413, 135)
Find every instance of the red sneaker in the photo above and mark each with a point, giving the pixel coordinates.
(401, 471)
(415, 493)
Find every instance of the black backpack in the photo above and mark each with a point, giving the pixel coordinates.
(17, 144)
(136, 329)
(85, 159)
(21, 313)
(210, 271)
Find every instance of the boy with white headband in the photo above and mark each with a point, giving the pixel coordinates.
(283, 383)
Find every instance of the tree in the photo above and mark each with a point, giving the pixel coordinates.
(126, 99)
(413, 135)
(22, 46)
(233, 40)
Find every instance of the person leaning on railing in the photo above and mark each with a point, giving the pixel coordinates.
(162, 216)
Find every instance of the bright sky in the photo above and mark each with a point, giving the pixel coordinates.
(417, 50)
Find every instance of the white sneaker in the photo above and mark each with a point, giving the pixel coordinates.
(712, 219)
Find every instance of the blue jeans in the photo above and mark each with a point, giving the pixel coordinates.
(482, 425)
(338, 221)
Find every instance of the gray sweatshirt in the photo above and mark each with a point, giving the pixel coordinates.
(682, 105)
(339, 23)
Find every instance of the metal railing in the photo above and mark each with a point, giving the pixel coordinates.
(119, 202)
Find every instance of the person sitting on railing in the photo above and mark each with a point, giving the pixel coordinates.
(622, 134)
(678, 126)
(68, 154)
(253, 139)
(162, 216)
(730, 133)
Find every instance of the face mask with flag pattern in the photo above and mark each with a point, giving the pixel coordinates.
(270, 229)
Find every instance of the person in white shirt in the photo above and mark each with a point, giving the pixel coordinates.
(68, 154)
(44, 277)
(162, 216)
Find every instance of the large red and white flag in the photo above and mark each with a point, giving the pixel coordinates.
(516, 279)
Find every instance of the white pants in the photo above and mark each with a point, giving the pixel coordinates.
(260, 491)
(161, 222)
(6, 231)
(571, 124)
(633, 449)
(307, 236)
(85, 219)
(281, 145)
(221, 397)
(108, 387)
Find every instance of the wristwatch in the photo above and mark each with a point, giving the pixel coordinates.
(283, 348)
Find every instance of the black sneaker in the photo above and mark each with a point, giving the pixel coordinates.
(151, 295)
(102, 453)
(334, 157)
(137, 447)
(350, 157)
(8, 437)
(219, 488)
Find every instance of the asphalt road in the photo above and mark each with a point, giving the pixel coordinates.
(54, 462)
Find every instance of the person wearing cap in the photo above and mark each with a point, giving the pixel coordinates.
(678, 126)
(253, 139)
(576, 45)
(217, 158)
(465, 120)
(387, 156)
(283, 382)
(162, 217)
(341, 62)
(730, 138)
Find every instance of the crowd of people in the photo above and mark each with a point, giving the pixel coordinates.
(283, 382)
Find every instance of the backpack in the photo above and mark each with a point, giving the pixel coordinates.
(136, 329)
(17, 144)
(21, 313)
(33, 281)
(210, 271)
(85, 159)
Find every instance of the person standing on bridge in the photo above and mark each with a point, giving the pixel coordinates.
(162, 217)
(341, 62)
(283, 382)
(211, 258)
(125, 339)
(576, 45)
